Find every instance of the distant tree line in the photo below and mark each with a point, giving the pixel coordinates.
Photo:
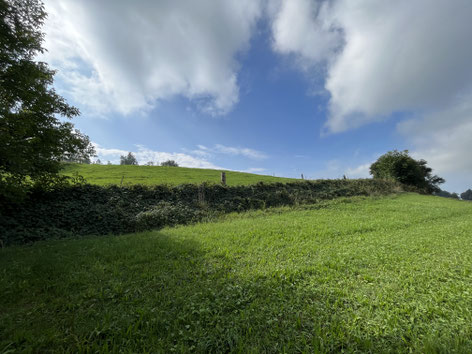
(467, 195)
(446, 194)
(130, 159)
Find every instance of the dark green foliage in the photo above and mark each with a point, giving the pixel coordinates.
(467, 195)
(96, 210)
(77, 158)
(170, 163)
(33, 140)
(401, 167)
(168, 214)
(130, 159)
(446, 194)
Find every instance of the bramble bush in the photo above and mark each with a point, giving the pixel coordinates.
(84, 209)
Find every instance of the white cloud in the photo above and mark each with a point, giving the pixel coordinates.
(396, 56)
(117, 55)
(385, 57)
(361, 171)
(443, 138)
(246, 152)
(205, 151)
(144, 155)
(300, 27)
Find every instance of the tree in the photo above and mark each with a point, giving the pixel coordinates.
(400, 166)
(467, 195)
(150, 163)
(170, 163)
(128, 160)
(33, 138)
(446, 194)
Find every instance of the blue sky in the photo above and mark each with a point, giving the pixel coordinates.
(272, 87)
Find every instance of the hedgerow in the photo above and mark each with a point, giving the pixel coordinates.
(79, 210)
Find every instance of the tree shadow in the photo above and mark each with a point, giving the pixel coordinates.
(153, 292)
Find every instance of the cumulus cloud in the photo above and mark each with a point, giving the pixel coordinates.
(144, 155)
(443, 138)
(117, 55)
(393, 56)
(302, 27)
(387, 57)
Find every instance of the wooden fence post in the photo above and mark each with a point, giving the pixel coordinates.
(223, 178)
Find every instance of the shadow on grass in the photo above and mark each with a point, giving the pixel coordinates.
(154, 293)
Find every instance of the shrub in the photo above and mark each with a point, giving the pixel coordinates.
(170, 163)
(167, 214)
(467, 195)
(401, 167)
(84, 209)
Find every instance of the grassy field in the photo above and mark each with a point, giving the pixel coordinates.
(387, 274)
(149, 175)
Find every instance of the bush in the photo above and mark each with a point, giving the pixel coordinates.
(167, 214)
(85, 209)
(170, 163)
(401, 167)
(467, 195)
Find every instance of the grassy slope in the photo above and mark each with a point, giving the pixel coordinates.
(112, 174)
(388, 274)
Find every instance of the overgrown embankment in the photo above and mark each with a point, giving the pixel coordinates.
(97, 210)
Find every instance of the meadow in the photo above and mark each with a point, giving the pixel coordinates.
(362, 274)
(152, 175)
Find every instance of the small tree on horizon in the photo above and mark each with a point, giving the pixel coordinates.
(467, 195)
(401, 167)
(130, 159)
(170, 163)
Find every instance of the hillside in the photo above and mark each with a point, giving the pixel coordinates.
(389, 274)
(151, 175)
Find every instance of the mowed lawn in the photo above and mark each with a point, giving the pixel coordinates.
(389, 274)
(151, 175)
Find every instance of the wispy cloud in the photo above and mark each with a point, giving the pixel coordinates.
(229, 150)
(256, 170)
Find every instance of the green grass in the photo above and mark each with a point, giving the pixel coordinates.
(387, 274)
(150, 175)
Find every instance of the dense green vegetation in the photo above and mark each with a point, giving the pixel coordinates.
(401, 167)
(34, 134)
(365, 274)
(152, 175)
(91, 209)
